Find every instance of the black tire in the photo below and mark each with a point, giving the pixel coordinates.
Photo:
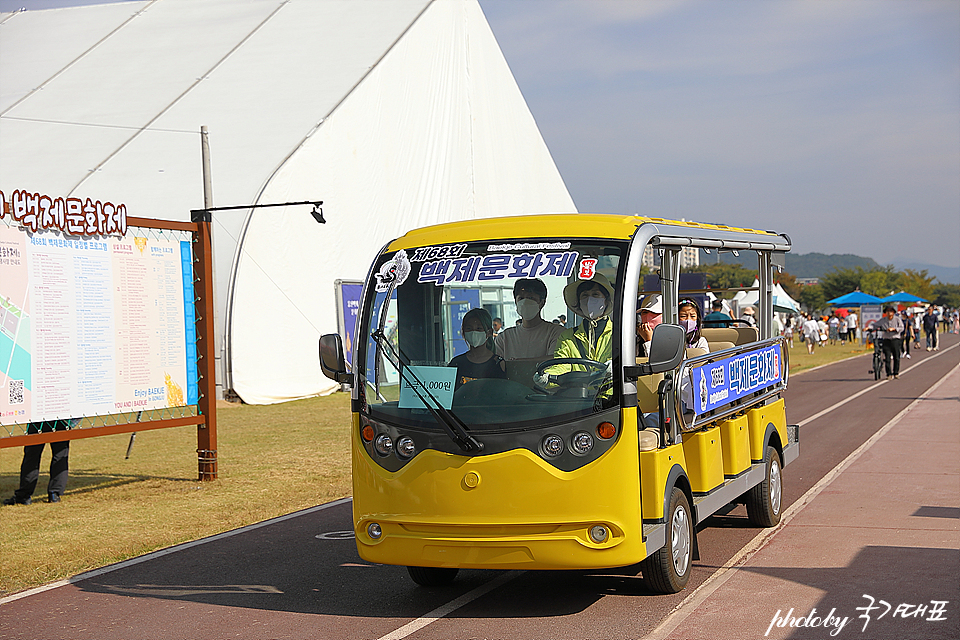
(432, 576)
(764, 501)
(668, 569)
(877, 366)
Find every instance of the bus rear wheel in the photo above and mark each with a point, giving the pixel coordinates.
(432, 576)
(668, 569)
(763, 501)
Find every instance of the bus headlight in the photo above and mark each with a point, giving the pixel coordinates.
(552, 446)
(375, 532)
(405, 447)
(383, 444)
(581, 443)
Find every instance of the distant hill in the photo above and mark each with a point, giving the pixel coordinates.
(945, 275)
(799, 265)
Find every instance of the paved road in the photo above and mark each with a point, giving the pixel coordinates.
(300, 576)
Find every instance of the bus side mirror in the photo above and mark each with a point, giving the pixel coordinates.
(331, 359)
(667, 349)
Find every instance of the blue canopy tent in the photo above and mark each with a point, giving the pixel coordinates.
(854, 299)
(903, 297)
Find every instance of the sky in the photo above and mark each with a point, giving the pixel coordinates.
(836, 122)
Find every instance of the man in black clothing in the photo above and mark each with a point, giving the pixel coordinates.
(890, 327)
(30, 467)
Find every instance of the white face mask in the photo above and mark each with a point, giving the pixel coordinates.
(475, 338)
(527, 308)
(595, 307)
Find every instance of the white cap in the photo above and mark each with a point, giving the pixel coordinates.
(652, 303)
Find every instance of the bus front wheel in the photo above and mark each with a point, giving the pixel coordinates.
(668, 569)
(432, 576)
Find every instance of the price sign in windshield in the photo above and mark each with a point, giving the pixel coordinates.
(438, 382)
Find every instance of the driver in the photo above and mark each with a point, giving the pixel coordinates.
(592, 339)
(480, 361)
(534, 338)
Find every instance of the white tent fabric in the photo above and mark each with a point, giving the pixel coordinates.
(781, 300)
(395, 113)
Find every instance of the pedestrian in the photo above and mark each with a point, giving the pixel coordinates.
(842, 331)
(788, 331)
(890, 329)
(917, 329)
(930, 328)
(907, 330)
(833, 325)
(822, 324)
(30, 467)
(811, 333)
(852, 326)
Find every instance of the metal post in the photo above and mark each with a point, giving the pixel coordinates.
(206, 327)
(207, 181)
(206, 351)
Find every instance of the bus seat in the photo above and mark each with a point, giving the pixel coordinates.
(693, 352)
(733, 335)
(720, 345)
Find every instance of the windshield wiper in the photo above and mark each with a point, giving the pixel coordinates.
(451, 424)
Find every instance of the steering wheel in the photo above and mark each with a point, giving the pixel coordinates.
(571, 379)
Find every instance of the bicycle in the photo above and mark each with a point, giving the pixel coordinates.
(877, 369)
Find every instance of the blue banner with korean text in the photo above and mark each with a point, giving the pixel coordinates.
(720, 383)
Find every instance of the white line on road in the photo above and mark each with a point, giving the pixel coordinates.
(871, 388)
(446, 609)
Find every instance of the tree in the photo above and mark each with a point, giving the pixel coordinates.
(916, 282)
(876, 283)
(841, 282)
(789, 284)
(812, 297)
(725, 276)
(947, 295)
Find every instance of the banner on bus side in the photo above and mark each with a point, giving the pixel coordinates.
(720, 383)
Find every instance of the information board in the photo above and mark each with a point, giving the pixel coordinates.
(94, 325)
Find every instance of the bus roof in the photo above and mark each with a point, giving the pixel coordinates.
(579, 225)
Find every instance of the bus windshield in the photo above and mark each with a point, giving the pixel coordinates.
(483, 336)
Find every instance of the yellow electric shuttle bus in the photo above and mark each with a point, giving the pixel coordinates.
(585, 454)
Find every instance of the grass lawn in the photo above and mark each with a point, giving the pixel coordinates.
(272, 460)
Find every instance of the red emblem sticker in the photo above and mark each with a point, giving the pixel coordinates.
(588, 268)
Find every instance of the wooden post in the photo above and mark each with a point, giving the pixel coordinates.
(206, 350)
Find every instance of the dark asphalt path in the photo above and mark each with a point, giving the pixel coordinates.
(301, 577)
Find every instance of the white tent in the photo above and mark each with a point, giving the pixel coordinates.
(394, 113)
(782, 302)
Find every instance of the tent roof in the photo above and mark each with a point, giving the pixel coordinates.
(902, 297)
(395, 113)
(854, 298)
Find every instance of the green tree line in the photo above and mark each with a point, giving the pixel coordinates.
(878, 281)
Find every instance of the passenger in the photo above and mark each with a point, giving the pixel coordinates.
(691, 319)
(592, 339)
(480, 361)
(650, 315)
(717, 318)
(533, 337)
